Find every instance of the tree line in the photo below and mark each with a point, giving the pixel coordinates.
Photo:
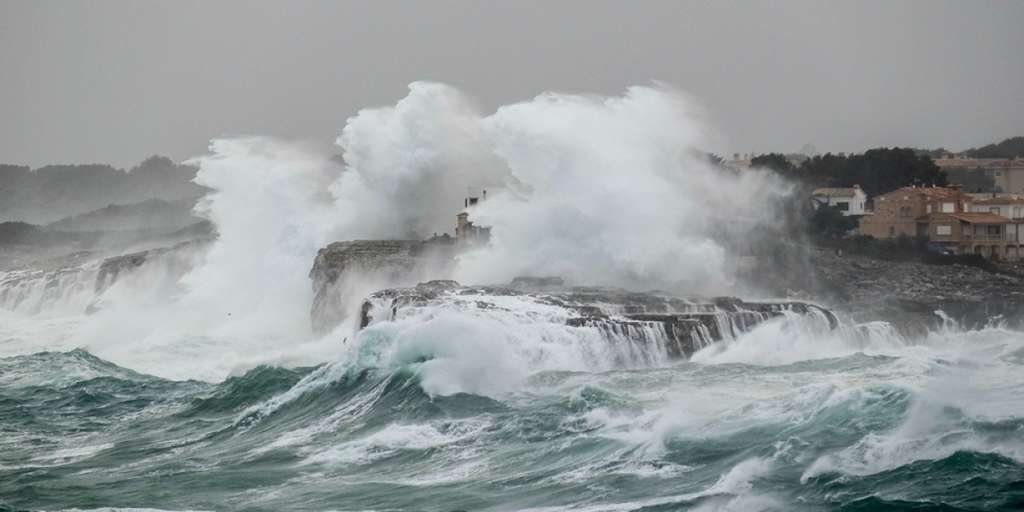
(52, 192)
(877, 171)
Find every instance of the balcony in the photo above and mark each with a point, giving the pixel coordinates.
(986, 237)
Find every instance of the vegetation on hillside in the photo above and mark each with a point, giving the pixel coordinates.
(1009, 148)
(877, 171)
(53, 192)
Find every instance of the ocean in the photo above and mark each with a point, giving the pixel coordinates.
(190, 378)
(784, 417)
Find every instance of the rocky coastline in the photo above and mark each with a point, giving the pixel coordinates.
(683, 325)
(346, 271)
(910, 294)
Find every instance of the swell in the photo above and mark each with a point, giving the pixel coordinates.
(830, 433)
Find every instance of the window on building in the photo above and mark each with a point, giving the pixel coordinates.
(892, 231)
(843, 206)
(948, 207)
(943, 230)
(994, 230)
(1016, 212)
(928, 208)
(994, 210)
(999, 173)
(904, 211)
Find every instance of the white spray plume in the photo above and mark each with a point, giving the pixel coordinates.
(598, 190)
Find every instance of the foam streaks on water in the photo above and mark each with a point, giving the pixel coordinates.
(890, 422)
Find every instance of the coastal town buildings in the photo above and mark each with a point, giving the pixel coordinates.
(1006, 205)
(951, 221)
(895, 213)
(985, 234)
(851, 201)
(1007, 173)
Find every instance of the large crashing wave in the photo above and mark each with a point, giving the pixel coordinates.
(599, 190)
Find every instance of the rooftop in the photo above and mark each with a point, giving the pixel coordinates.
(836, 192)
(930, 192)
(1000, 200)
(980, 218)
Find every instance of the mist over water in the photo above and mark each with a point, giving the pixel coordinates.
(200, 375)
(597, 190)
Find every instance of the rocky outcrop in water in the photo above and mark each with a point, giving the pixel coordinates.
(344, 272)
(682, 326)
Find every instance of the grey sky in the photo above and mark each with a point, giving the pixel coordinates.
(104, 81)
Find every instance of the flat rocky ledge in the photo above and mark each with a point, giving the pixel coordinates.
(687, 323)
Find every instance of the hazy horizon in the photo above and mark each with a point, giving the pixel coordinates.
(115, 82)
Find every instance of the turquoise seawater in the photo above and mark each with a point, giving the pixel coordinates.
(931, 424)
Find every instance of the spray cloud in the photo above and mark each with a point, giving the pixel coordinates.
(598, 190)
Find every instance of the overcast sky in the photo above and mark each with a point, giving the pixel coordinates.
(104, 81)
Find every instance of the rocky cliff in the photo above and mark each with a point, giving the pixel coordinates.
(345, 272)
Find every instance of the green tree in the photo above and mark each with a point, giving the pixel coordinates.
(877, 171)
(774, 161)
(829, 222)
(977, 180)
(1009, 148)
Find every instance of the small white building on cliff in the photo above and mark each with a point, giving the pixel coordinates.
(850, 201)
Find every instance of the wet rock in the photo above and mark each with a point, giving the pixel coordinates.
(683, 325)
(909, 293)
(344, 272)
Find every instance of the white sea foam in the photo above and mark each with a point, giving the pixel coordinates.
(395, 437)
(600, 190)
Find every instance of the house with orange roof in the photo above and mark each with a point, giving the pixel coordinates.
(986, 234)
(955, 222)
(895, 213)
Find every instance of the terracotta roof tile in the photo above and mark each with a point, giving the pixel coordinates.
(980, 218)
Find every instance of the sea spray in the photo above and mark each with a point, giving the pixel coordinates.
(932, 420)
(600, 190)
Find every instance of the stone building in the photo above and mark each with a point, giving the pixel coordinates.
(896, 213)
(951, 221)
(467, 233)
(986, 234)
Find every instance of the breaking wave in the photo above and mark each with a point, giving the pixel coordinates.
(190, 379)
(426, 418)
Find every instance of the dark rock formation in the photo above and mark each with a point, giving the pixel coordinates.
(682, 325)
(908, 293)
(112, 267)
(344, 272)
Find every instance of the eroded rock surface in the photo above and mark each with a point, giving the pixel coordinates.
(344, 272)
(680, 325)
(908, 293)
